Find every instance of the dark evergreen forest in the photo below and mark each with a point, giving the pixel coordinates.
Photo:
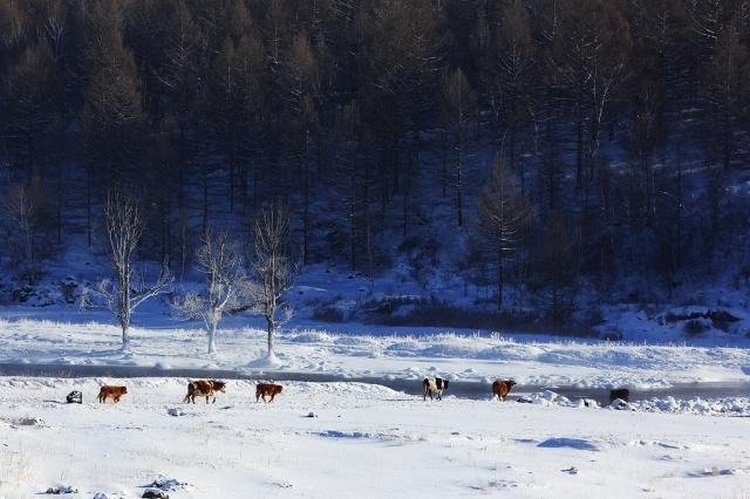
(544, 145)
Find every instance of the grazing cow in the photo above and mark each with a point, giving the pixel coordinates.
(501, 387)
(619, 393)
(434, 386)
(264, 390)
(204, 388)
(111, 391)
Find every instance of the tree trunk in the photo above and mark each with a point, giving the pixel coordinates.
(232, 174)
(89, 188)
(727, 145)
(367, 218)
(352, 209)
(500, 278)
(459, 177)
(444, 153)
(212, 337)
(125, 337)
(124, 303)
(579, 150)
(269, 329)
(59, 203)
(205, 202)
(124, 319)
(306, 195)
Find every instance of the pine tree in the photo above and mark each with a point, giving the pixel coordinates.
(31, 114)
(112, 119)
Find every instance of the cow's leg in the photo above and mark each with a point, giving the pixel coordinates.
(272, 396)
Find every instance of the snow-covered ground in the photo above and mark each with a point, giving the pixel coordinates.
(350, 439)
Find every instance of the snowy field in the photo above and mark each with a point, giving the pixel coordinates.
(350, 439)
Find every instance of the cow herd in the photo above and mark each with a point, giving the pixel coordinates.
(208, 388)
(198, 388)
(436, 386)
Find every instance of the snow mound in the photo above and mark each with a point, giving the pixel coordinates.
(574, 443)
(268, 362)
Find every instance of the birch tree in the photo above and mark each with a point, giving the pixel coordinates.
(273, 268)
(124, 226)
(220, 260)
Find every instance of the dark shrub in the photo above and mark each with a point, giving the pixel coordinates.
(327, 313)
(695, 327)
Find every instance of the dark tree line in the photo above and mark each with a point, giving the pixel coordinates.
(617, 127)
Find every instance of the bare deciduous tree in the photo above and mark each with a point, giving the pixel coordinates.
(273, 267)
(27, 220)
(219, 259)
(124, 230)
(589, 62)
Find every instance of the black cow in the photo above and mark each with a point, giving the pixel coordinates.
(619, 393)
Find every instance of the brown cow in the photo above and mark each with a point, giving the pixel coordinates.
(501, 387)
(111, 391)
(204, 388)
(267, 390)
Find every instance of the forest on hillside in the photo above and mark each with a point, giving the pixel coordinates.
(543, 145)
